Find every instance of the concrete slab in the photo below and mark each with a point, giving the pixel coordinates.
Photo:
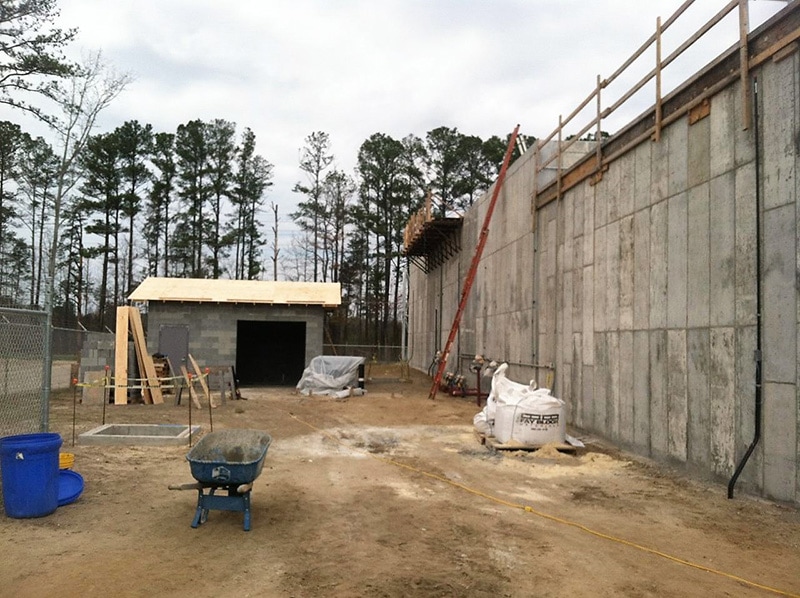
(722, 380)
(677, 399)
(698, 250)
(641, 270)
(658, 265)
(139, 434)
(612, 276)
(779, 153)
(780, 440)
(722, 125)
(745, 248)
(699, 150)
(641, 391)
(625, 385)
(626, 273)
(697, 392)
(658, 393)
(722, 238)
(780, 296)
(678, 135)
(588, 316)
(612, 384)
(677, 261)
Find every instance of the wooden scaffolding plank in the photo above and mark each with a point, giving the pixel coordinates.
(153, 383)
(121, 358)
(512, 445)
(147, 396)
(190, 384)
(203, 384)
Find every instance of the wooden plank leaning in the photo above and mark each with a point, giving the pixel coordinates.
(121, 358)
(153, 383)
(147, 396)
(203, 383)
(190, 383)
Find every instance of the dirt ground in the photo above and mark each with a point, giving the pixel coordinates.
(391, 494)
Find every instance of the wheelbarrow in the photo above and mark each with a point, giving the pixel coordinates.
(229, 461)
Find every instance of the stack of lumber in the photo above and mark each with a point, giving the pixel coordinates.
(162, 366)
(129, 321)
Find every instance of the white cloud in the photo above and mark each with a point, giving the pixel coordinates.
(351, 68)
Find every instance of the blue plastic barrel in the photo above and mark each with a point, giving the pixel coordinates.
(29, 468)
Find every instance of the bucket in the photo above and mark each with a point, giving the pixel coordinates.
(29, 468)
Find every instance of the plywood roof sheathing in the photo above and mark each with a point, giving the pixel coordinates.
(202, 290)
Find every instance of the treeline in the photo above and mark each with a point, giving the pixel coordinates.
(353, 225)
(84, 220)
(192, 204)
(144, 203)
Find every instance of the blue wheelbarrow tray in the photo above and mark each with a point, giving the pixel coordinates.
(227, 460)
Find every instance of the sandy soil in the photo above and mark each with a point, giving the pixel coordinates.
(390, 494)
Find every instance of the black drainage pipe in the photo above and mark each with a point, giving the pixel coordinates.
(757, 352)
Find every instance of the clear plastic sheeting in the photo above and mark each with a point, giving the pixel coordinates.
(329, 375)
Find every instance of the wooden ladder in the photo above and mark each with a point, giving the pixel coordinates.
(473, 268)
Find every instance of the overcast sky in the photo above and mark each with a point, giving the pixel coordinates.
(351, 68)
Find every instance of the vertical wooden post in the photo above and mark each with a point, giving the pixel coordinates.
(599, 129)
(744, 63)
(121, 357)
(428, 206)
(657, 133)
(558, 155)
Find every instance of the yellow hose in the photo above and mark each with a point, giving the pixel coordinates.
(560, 520)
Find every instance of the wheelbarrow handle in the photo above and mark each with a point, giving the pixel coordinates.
(195, 486)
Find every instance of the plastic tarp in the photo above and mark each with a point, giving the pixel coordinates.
(329, 374)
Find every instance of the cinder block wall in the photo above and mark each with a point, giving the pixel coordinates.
(212, 326)
(97, 353)
(641, 290)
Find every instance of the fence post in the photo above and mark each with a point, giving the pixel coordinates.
(47, 365)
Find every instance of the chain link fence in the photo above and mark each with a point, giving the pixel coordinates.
(375, 353)
(68, 344)
(22, 360)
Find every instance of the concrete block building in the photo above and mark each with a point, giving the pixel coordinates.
(269, 331)
(653, 283)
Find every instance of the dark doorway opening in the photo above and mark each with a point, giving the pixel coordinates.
(270, 353)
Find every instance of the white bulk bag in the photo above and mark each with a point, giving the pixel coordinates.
(481, 423)
(484, 419)
(526, 414)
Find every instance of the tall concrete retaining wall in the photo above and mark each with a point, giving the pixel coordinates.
(641, 290)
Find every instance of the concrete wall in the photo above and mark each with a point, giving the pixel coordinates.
(212, 326)
(641, 290)
(499, 303)
(97, 353)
